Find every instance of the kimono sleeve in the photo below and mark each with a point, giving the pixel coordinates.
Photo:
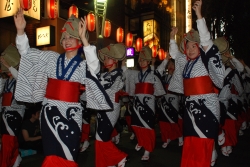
(129, 76)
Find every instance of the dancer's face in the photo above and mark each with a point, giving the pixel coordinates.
(192, 50)
(69, 42)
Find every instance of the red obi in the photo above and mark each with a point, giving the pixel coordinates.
(166, 86)
(144, 88)
(7, 99)
(63, 90)
(120, 94)
(198, 86)
(233, 90)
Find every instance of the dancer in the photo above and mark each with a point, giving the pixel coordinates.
(144, 85)
(61, 116)
(197, 72)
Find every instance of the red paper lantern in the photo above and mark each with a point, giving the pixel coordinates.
(138, 44)
(26, 4)
(107, 29)
(154, 51)
(91, 22)
(129, 40)
(73, 10)
(52, 8)
(162, 54)
(119, 34)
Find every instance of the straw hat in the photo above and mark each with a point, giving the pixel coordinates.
(222, 44)
(192, 36)
(71, 27)
(145, 53)
(11, 56)
(114, 51)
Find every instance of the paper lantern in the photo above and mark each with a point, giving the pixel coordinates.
(119, 34)
(138, 44)
(26, 4)
(129, 40)
(161, 54)
(52, 9)
(73, 10)
(91, 22)
(107, 29)
(154, 51)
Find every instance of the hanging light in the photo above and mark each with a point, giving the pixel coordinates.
(129, 40)
(73, 10)
(91, 21)
(154, 50)
(119, 34)
(26, 4)
(52, 9)
(138, 44)
(107, 29)
(161, 54)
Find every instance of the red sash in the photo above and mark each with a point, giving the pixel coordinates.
(198, 85)
(120, 94)
(7, 99)
(144, 88)
(63, 90)
(233, 90)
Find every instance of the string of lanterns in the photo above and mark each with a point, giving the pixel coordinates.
(52, 11)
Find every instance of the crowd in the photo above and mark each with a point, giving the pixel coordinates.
(199, 95)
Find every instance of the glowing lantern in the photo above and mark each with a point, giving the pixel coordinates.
(107, 29)
(91, 22)
(26, 4)
(138, 44)
(129, 40)
(119, 34)
(161, 54)
(52, 8)
(154, 51)
(73, 10)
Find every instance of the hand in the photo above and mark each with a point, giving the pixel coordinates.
(168, 55)
(228, 55)
(20, 22)
(124, 62)
(242, 62)
(173, 32)
(197, 8)
(153, 61)
(3, 62)
(82, 28)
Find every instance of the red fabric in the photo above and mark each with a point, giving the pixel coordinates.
(169, 131)
(180, 123)
(114, 133)
(197, 152)
(107, 154)
(9, 150)
(230, 133)
(63, 90)
(145, 137)
(7, 99)
(166, 86)
(120, 94)
(198, 85)
(56, 161)
(85, 132)
(144, 88)
(128, 120)
(233, 90)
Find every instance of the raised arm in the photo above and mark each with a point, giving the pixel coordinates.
(173, 48)
(205, 39)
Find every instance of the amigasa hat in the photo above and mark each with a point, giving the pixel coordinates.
(222, 44)
(11, 56)
(71, 27)
(146, 53)
(116, 51)
(192, 36)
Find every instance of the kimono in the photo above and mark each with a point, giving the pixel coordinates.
(107, 154)
(144, 86)
(55, 80)
(12, 116)
(168, 108)
(228, 96)
(197, 79)
(246, 85)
